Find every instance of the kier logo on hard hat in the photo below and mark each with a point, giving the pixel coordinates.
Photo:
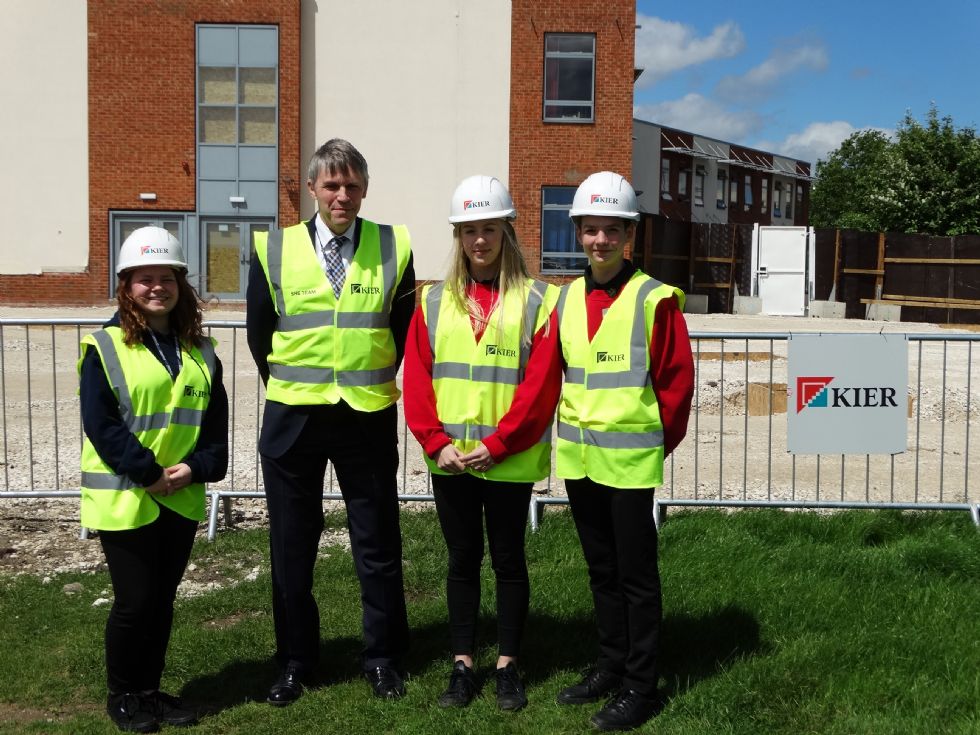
(599, 199)
(475, 204)
(150, 250)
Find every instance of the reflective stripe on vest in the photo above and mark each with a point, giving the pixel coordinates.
(609, 426)
(474, 390)
(325, 349)
(163, 413)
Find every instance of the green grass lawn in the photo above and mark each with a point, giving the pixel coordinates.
(775, 622)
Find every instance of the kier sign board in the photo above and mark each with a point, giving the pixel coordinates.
(847, 394)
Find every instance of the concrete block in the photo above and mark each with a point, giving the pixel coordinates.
(827, 309)
(696, 303)
(884, 313)
(747, 305)
(760, 395)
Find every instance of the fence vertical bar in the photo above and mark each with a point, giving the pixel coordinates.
(30, 407)
(697, 414)
(942, 427)
(721, 421)
(54, 406)
(842, 476)
(745, 429)
(966, 446)
(918, 420)
(226, 501)
(769, 438)
(3, 407)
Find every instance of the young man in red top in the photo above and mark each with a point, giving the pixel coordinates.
(629, 381)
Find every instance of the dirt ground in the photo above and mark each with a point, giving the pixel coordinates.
(728, 454)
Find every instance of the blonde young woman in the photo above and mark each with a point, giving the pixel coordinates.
(155, 416)
(482, 378)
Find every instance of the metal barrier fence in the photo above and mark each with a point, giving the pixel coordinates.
(734, 454)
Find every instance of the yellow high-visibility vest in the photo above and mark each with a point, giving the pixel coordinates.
(475, 381)
(609, 426)
(165, 416)
(325, 349)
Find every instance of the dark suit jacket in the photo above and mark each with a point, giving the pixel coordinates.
(282, 424)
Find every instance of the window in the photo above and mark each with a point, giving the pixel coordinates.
(699, 186)
(747, 199)
(237, 120)
(569, 77)
(682, 183)
(665, 179)
(720, 192)
(777, 195)
(789, 200)
(764, 199)
(560, 252)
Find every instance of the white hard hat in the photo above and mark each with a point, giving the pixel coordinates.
(605, 194)
(150, 246)
(481, 197)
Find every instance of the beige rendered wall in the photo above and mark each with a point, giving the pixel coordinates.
(422, 90)
(44, 136)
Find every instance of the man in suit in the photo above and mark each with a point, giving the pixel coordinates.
(329, 302)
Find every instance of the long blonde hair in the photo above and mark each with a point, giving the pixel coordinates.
(512, 278)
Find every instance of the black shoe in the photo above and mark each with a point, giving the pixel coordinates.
(462, 687)
(594, 685)
(625, 711)
(385, 682)
(131, 713)
(288, 687)
(510, 689)
(169, 709)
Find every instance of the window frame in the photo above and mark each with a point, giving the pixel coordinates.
(576, 252)
(555, 57)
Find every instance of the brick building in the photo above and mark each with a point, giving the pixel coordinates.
(200, 116)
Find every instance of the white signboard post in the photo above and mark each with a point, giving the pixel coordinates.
(847, 394)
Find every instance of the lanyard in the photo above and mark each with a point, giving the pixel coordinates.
(163, 357)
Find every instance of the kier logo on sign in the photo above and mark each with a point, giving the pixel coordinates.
(811, 391)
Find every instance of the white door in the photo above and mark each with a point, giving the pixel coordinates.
(780, 258)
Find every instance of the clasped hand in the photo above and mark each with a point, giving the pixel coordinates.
(449, 459)
(173, 479)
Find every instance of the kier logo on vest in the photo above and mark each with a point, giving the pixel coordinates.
(503, 351)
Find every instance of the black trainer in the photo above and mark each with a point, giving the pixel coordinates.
(131, 713)
(462, 687)
(627, 710)
(594, 685)
(510, 689)
(169, 709)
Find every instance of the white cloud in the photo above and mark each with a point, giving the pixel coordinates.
(699, 115)
(816, 141)
(664, 47)
(762, 80)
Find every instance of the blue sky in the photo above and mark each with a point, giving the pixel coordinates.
(797, 78)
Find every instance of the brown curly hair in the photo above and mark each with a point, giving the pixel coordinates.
(185, 319)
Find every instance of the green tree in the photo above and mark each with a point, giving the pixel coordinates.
(926, 180)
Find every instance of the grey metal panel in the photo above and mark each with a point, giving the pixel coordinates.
(214, 197)
(260, 196)
(217, 162)
(217, 46)
(258, 163)
(258, 47)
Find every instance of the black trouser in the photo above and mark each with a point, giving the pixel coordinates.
(364, 450)
(619, 540)
(462, 502)
(146, 565)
